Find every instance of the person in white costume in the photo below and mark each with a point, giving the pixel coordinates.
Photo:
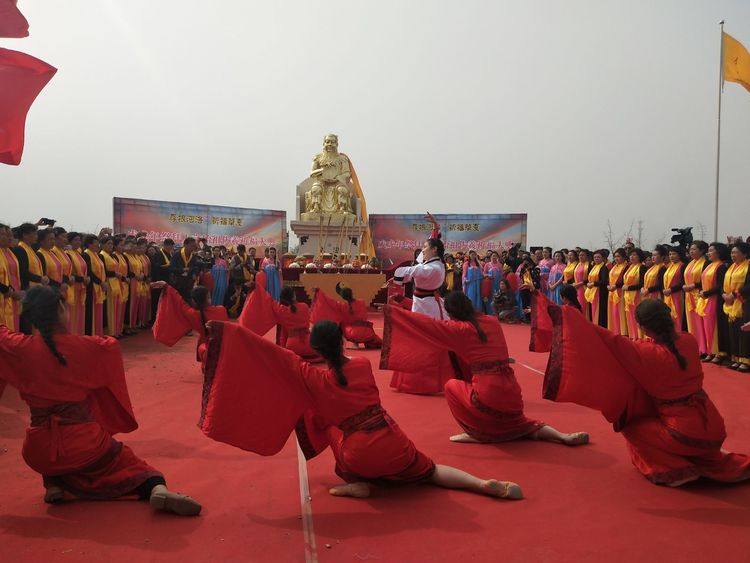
(428, 275)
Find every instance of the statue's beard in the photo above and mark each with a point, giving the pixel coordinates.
(329, 155)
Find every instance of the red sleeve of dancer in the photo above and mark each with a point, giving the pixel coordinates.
(541, 324)
(253, 391)
(410, 340)
(12, 22)
(22, 77)
(583, 369)
(174, 318)
(260, 279)
(216, 313)
(260, 313)
(324, 308)
(312, 434)
(654, 367)
(93, 369)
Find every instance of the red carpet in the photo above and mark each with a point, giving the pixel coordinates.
(583, 504)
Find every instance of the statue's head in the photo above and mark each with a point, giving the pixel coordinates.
(331, 143)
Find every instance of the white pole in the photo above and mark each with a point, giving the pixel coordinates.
(718, 132)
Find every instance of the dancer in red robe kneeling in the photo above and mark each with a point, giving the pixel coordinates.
(175, 318)
(292, 320)
(76, 391)
(487, 401)
(255, 393)
(350, 316)
(651, 390)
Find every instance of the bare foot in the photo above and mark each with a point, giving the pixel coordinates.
(182, 505)
(53, 494)
(356, 490)
(502, 489)
(576, 439)
(464, 439)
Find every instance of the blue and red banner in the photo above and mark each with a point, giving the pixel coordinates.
(219, 225)
(397, 236)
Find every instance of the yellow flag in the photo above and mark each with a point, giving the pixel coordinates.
(736, 62)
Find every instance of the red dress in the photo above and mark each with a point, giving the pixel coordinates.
(75, 410)
(487, 400)
(261, 313)
(351, 316)
(175, 318)
(256, 393)
(673, 430)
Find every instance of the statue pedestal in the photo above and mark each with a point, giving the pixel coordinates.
(334, 237)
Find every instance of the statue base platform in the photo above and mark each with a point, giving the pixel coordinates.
(333, 237)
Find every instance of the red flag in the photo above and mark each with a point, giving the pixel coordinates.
(12, 22)
(22, 77)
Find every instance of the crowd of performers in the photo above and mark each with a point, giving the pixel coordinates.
(705, 286)
(257, 392)
(105, 278)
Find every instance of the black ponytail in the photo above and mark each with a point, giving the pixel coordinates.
(41, 311)
(287, 298)
(198, 296)
(325, 339)
(570, 294)
(346, 294)
(656, 316)
(460, 308)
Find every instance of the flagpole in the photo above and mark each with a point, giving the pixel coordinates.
(718, 132)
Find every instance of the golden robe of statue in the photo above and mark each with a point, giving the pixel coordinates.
(331, 191)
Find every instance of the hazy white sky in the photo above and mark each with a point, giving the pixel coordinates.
(572, 111)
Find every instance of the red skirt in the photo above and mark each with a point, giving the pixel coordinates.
(376, 450)
(362, 333)
(81, 457)
(684, 443)
(489, 413)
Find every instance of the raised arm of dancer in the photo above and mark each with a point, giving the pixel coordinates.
(174, 317)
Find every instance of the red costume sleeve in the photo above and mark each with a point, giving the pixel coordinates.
(585, 368)
(22, 77)
(260, 311)
(325, 309)
(410, 339)
(541, 324)
(253, 391)
(174, 318)
(216, 313)
(94, 368)
(260, 279)
(12, 22)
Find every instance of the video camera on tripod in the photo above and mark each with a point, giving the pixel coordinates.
(683, 238)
